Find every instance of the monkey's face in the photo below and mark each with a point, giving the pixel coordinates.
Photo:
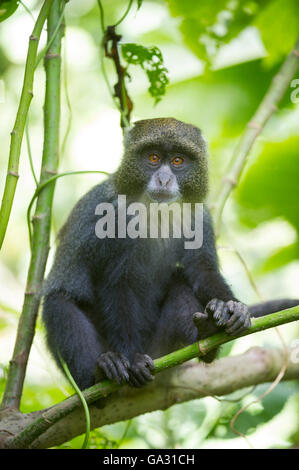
(165, 160)
(165, 170)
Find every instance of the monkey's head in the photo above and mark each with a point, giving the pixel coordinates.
(165, 159)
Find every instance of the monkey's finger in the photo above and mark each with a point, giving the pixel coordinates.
(109, 368)
(236, 309)
(212, 305)
(144, 374)
(241, 324)
(241, 321)
(240, 311)
(124, 360)
(135, 380)
(122, 371)
(221, 315)
(240, 330)
(149, 362)
(232, 305)
(248, 322)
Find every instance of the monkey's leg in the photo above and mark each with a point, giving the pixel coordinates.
(73, 335)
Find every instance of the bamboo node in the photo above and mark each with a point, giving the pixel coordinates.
(33, 38)
(30, 292)
(230, 180)
(50, 172)
(202, 348)
(255, 125)
(50, 55)
(34, 218)
(12, 173)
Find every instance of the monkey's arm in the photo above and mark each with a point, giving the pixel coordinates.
(70, 307)
(70, 333)
(201, 269)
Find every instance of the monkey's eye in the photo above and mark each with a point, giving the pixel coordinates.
(153, 158)
(177, 161)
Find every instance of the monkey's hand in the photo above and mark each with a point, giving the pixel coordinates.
(114, 366)
(232, 316)
(140, 370)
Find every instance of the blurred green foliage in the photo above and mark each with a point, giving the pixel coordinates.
(221, 57)
(7, 8)
(270, 189)
(207, 25)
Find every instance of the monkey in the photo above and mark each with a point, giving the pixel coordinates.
(112, 305)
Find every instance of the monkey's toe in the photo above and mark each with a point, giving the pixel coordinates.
(239, 320)
(140, 372)
(219, 311)
(115, 366)
(233, 316)
(200, 319)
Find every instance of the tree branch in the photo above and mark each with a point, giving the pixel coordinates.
(53, 415)
(188, 382)
(265, 110)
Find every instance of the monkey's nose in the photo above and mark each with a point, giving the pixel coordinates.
(163, 180)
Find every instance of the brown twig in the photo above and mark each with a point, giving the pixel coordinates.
(110, 44)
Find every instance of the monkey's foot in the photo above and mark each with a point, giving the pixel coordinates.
(140, 370)
(115, 366)
(205, 325)
(233, 316)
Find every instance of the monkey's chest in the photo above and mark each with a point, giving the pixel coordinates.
(153, 263)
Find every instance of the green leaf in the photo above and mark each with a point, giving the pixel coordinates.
(207, 25)
(150, 59)
(7, 8)
(279, 26)
(139, 3)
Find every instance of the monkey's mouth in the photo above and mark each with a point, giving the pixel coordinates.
(163, 196)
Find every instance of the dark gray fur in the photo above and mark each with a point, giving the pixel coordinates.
(111, 305)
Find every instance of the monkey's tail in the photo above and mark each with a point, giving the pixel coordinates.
(271, 306)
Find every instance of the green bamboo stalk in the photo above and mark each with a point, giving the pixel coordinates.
(50, 180)
(18, 129)
(42, 217)
(106, 387)
(267, 107)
